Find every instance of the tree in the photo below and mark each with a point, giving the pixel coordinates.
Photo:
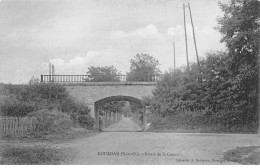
(34, 80)
(227, 96)
(240, 30)
(112, 106)
(143, 68)
(103, 74)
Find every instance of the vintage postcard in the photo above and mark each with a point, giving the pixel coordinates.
(129, 82)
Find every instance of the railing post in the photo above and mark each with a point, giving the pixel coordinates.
(85, 78)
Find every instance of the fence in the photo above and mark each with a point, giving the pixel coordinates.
(15, 125)
(98, 78)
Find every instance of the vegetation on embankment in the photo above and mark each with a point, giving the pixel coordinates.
(53, 109)
(57, 118)
(249, 155)
(35, 155)
(220, 95)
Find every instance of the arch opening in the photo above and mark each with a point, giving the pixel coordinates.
(120, 98)
(115, 115)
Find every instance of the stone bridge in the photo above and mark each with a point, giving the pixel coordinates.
(95, 93)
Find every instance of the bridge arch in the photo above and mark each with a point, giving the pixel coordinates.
(94, 93)
(120, 98)
(137, 101)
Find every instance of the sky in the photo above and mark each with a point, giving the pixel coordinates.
(76, 34)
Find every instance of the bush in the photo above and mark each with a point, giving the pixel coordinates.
(24, 99)
(53, 121)
(86, 121)
(200, 121)
(227, 106)
(14, 108)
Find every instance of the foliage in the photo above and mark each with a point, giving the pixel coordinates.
(143, 67)
(34, 80)
(50, 121)
(244, 155)
(14, 108)
(35, 155)
(179, 93)
(103, 74)
(86, 121)
(240, 31)
(24, 99)
(111, 107)
(127, 110)
(226, 87)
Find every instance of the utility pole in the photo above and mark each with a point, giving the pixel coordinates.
(188, 67)
(174, 56)
(50, 72)
(194, 38)
(53, 72)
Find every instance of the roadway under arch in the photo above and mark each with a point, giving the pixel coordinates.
(137, 101)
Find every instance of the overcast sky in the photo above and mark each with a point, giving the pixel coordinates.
(75, 35)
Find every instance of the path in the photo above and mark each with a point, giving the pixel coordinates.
(157, 148)
(125, 124)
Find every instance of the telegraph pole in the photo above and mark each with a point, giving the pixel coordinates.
(174, 56)
(53, 72)
(50, 72)
(194, 38)
(188, 67)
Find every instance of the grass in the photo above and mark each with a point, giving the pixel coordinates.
(244, 155)
(181, 123)
(44, 150)
(35, 155)
(70, 134)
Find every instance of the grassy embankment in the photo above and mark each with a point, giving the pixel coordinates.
(195, 123)
(244, 155)
(43, 145)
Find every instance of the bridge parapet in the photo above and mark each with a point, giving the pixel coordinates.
(97, 78)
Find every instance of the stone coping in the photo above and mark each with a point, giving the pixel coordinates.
(105, 83)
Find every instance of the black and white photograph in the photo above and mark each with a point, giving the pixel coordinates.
(129, 82)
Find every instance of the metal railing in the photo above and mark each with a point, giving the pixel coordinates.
(98, 78)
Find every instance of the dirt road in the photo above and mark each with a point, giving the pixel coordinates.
(156, 148)
(126, 124)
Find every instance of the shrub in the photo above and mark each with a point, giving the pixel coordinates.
(24, 99)
(14, 108)
(86, 121)
(53, 121)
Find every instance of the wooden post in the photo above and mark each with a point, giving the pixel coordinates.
(50, 72)
(188, 67)
(194, 38)
(174, 56)
(258, 108)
